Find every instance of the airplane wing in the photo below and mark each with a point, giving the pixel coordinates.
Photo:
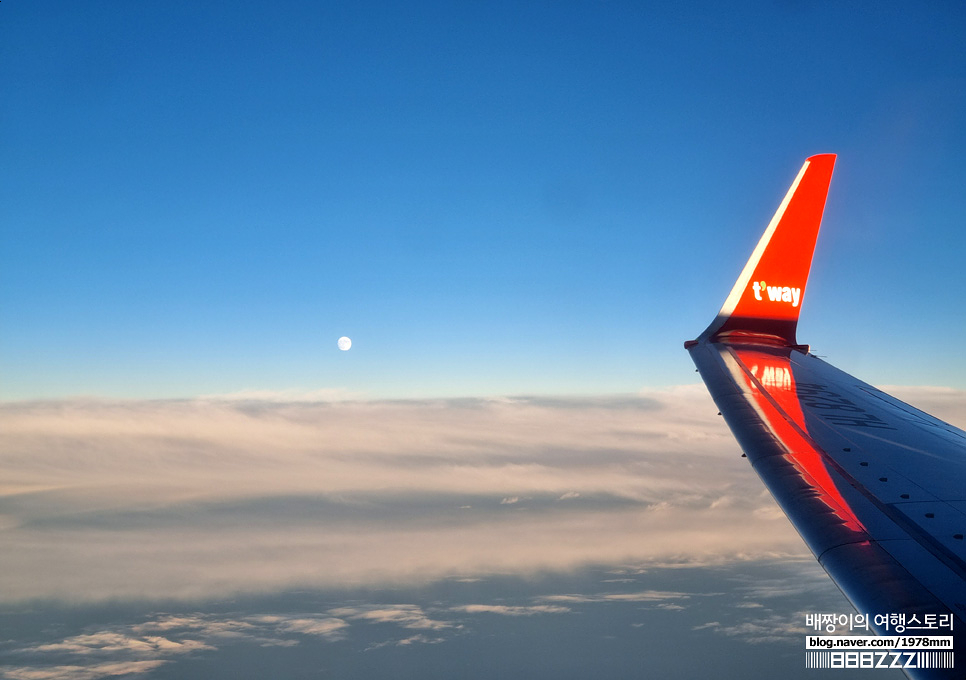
(875, 487)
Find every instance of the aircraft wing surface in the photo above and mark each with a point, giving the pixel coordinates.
(875, 487)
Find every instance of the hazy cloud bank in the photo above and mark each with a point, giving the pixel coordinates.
(191, 499)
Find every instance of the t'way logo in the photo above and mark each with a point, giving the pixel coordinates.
(773, 376)
(777, 293)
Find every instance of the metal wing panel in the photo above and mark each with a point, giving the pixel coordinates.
(852, 471)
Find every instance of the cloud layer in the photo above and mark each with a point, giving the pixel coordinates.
(104, 500)
(636, 612)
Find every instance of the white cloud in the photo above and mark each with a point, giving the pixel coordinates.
(646, 596)
(638, 596)
(772, 628)
(405, 642)
(710, 625)
(132, 650)
(421, 639)
(507, 610)
(329, 628)
(570, 598)
(108, 642)
(405, 616)
(93, 672)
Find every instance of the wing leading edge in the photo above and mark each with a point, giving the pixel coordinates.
(875, 487)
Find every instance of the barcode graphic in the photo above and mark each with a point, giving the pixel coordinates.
(879, 660)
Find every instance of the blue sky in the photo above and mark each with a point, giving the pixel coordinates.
(200, 198)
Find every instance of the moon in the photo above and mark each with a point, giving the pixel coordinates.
(345, 343)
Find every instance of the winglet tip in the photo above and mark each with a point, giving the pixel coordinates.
(766, 299)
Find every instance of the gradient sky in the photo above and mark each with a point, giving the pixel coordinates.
(518, 212)
(499, 198)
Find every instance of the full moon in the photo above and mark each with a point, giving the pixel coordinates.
(344, 343)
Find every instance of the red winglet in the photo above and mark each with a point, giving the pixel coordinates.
(765, 302)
